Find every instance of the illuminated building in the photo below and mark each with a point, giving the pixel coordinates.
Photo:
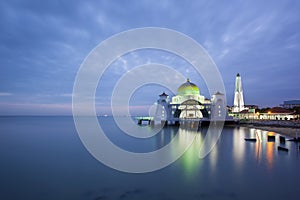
(189, 104)
(238, 104)
(277, 113)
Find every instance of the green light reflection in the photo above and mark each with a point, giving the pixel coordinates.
(190, 160)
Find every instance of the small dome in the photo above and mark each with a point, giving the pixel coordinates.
(188, 88)
(163, 95)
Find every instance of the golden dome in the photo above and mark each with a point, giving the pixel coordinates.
(188, 88)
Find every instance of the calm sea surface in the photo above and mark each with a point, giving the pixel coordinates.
(43, 158)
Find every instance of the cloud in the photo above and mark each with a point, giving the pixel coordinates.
(5, 94)
(44, 43)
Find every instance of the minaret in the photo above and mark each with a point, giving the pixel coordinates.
(162, 109)
(238, 104)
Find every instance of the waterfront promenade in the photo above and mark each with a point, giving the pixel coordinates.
(288, 128)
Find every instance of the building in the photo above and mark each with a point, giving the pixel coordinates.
(291, 104)
(277, 113)
(238, 104)
(247, 114)
(189, 104)
(161, 110)
(239, 110)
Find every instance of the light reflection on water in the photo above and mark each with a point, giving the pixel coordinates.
(270, 154)
(190, 159)
(258, 147)
(43, 158)
(238, 149)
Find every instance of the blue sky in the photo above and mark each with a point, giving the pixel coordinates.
(43, 44)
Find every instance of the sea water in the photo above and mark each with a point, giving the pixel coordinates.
(44, 158)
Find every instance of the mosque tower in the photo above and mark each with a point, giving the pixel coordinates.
(238, 104)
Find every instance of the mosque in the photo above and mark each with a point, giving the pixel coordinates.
(189, 104)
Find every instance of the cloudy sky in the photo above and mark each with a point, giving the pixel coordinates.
(43, 44)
